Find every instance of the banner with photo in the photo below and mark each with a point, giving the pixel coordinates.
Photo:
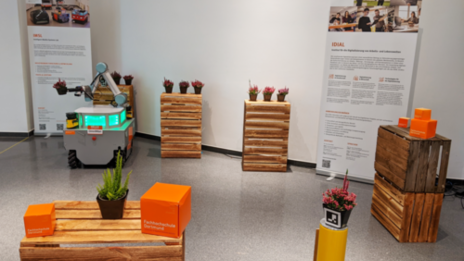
(59, 48)
(370, 55)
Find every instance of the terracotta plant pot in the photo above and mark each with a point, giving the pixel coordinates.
(253, 97)
(197, 90)
(267, 97)
(281, 97)
(336, 218)
(117, 80)
(112, 209)
(128, 81)
(168, 89)
(183, 90)
(62, 90)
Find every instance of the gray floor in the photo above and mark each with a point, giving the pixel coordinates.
(235, 215)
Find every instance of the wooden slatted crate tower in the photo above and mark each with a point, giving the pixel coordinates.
(181, 125)
(265, 136)
(80, 223)
(103, 95)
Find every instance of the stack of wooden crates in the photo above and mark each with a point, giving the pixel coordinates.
(409, 183)
(103, 95)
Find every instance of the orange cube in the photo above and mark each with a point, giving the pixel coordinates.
(423, 129)
(166, 210)
(40, 220)
(423, 114)
(403, 122)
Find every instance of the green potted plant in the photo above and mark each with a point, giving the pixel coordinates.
(197, 85)
(128, 79)
(116, 77)
(183, 85)
(281, 94)
(168, 85)
(60, 87)
(253, 91)
(267, 92)
(112, 195)
(338, 204)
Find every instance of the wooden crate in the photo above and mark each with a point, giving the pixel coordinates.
(79, 222)
(103, 95)
(412, 163)
(265, 136)
(409, 217)
(181, 125)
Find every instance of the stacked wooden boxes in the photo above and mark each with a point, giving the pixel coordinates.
(103, 95)
(181, 125)
(265, 136)
(408, 193)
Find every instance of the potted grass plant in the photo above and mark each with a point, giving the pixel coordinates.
(253, 92)
(197, 85)
(338, 204)
(128, 79)
(168, 85)
(60, 87)
(112, 195)
(183, 86)
(267, 92)
(116, 77)
(281, 94)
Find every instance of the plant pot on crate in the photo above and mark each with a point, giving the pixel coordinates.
(267, 97)
(128, 81)
(168, 89)
(336, 218)
(183, 90)
(112, 209)
(281, 97)
(253, 97)
(197, 90)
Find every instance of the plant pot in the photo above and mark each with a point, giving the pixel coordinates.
(128, 81)
(197, 90)
(336, 218)
(281, 97)
(117, 80)
(62, 90)
(267, 97)
(253, 97)
(183, 90)
(168, 89)
(112, 209)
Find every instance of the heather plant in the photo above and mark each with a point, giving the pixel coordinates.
(128, 77)
(283, 91)
(268, 90)
(340, 199)
(115, 75)
(184, 84)
(168, 83)
(60, 84)
(198, 84)
(112, 189)
(253, 90)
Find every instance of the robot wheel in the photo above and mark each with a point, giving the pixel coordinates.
(73, 162)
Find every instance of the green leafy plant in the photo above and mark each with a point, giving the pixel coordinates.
(112, 189)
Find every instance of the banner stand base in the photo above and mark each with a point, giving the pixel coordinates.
(340, 175)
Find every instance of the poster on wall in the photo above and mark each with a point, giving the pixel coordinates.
(370, 54)
(59, 49)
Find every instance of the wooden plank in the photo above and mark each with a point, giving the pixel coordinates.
(265, 151)
(243, 136)
(181, 154)
(158, 253)
(416, 217)
(387, 211)
(181, 100)
(92, 214)
(389, 189)
(262, 102)
(266, 134)
(316, 241)
(180, 108)
(397, 166)
(266, 143)
(265, 159)
(92, 224)
(435, 218)
(267, 117)
(423, 166)
(432, 168)
(385, 172)
(393, 141)
(385, 222)
(181, 123)
(264, 167)
(181, 132)
(443, 166)
(402, 132)
(66, 204)
(267, 108)
(98, 237)
(267, 125)
(426, 215)
(413, 167)
(180, 139)
(183, 116)
(180, 147)
(407, 216)
(388, 201)
(183, 95)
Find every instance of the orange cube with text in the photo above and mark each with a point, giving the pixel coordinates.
(403, 122)
(422, 114)
(40, 220)
(166, 210)
(424, 129)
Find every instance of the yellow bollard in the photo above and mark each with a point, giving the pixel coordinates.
(332, 243)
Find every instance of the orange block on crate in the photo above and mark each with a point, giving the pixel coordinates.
(423, 114)
(424, 129)
(403, 122)
(40, 220)
(166, 210)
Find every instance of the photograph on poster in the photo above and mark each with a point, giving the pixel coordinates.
(371, 3)
(406, 2)
(342, 18)
(58, 13)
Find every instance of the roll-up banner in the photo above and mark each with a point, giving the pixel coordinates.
(369, 64)
(59, 48)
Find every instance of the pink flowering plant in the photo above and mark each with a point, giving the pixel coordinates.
(184, 84)
(339, 198)
(60, 84)
(268, 90)
(197, 84)
(167, 83)
(253, 90)
(283, 91)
